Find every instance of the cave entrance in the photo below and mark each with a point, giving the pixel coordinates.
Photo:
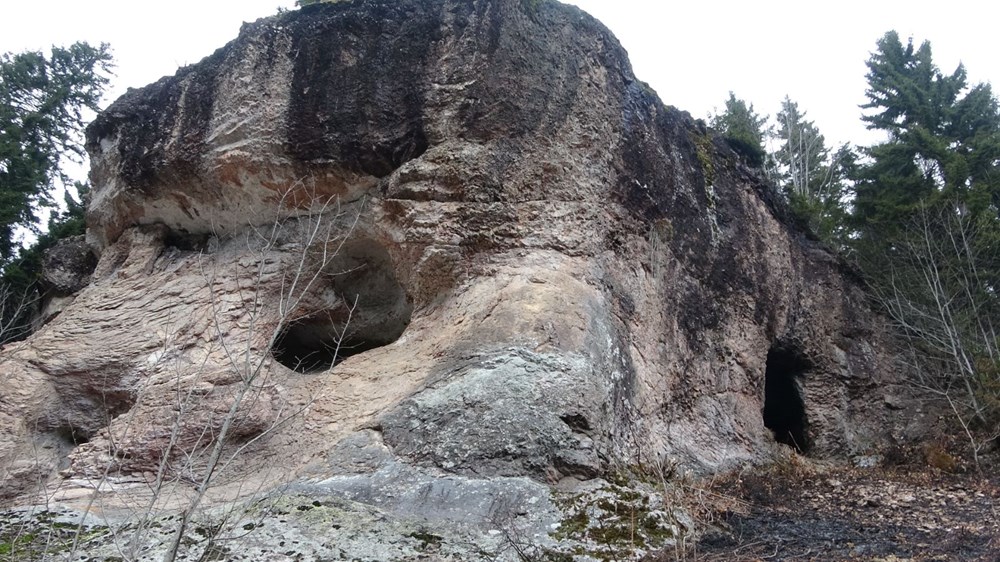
(310, 345)
(361, 307)
(784, 408)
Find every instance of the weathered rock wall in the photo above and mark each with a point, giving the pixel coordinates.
(582, 277)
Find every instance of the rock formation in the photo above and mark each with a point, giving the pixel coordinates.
(375, 245)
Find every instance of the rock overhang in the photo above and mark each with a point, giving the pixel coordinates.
(329, 101)
(544, 218)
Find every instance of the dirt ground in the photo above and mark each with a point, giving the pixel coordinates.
(877, 514)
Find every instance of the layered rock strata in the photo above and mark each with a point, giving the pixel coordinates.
(459, 231)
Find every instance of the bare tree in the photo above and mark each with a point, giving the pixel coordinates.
(321, 240)
(14, 312)
(940, 290)
(280, 275)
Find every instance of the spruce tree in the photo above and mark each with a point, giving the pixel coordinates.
(42, 104)
(743, 129)
(810, 176)
(43, 100)
(943, 139)
(927, 225)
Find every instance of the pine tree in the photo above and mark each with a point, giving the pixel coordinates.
(928, 231)
(943, 139)
(42, 103)
(809, 175)
(743, 129)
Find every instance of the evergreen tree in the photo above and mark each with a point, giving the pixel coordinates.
(810, 176)
(743, 129)
(943, 139)
(42, 104)
(928, 231)
(42, 100)
(19, 278)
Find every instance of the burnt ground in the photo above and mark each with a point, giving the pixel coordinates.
(851, 514)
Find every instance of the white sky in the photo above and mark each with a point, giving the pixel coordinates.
(692, 53)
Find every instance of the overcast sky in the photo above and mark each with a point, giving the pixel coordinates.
(692, 53)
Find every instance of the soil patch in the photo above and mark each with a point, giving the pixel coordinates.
(851, 514)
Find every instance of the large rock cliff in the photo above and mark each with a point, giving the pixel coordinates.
(384, 244)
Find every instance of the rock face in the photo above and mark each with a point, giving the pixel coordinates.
(461, 229)
(66, 270)
(67, 266)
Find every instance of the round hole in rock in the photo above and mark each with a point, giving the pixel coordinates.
(362, 306)
(784, 408)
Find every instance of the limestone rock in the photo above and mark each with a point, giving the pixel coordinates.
(463, 226)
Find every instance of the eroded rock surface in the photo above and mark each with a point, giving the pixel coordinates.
(472, 233)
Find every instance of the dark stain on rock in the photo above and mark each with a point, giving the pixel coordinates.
(146, 120)
(357, 86)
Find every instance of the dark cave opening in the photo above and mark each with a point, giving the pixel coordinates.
(784, 408)
(311, 345)
(365, 307)
(185, 241)
(306, 347)
(72, 436)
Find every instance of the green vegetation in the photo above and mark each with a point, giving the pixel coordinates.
(703, 148)
(943, 142)
(426, 539)
(40, 536)
(43, 100)
(614, 519)
(919, 213)
(813, 180)
(743, 129)
(42, 104)
(926, 224)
